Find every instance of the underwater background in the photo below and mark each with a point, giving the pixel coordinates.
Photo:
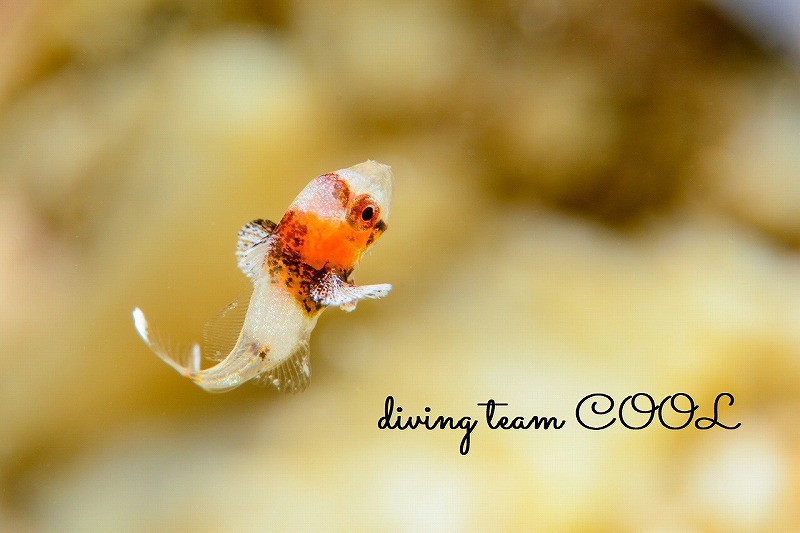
(589, 197)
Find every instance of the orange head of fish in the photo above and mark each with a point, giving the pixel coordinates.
(338, 216)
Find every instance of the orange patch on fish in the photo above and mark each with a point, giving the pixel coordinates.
(324, 242)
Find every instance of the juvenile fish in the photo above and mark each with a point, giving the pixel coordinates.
(298, 267)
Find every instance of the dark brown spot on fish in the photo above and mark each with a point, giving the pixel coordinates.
(266, 224)
(300, 229)
(286, 267)
(339, 188)
(262, 353)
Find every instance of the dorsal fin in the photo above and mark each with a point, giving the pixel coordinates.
(293, 373)
(253, 245)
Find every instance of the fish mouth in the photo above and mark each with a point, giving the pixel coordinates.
(379, 182)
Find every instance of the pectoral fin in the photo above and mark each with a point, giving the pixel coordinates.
(333, 290)
(253, 246)
(348, 307)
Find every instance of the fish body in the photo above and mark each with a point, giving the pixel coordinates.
(298, 267)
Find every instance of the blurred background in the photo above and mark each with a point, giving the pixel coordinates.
(589, 197)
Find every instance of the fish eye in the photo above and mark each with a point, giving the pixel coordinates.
(364, 213)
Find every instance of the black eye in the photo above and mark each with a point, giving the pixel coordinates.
(363, 212)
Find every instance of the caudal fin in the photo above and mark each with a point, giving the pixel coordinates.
(191, 359)
(232, 371)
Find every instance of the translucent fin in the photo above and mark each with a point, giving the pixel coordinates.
(348, 307)
(253, 246)
(221, 332)
(242, 364)
(181, 359)
(294, 373)
(333, 290)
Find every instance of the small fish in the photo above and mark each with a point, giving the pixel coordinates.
(298, 268)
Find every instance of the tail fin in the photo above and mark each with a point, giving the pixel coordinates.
(236, 368)
(156, 344)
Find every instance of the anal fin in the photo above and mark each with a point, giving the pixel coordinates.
(293, 373)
